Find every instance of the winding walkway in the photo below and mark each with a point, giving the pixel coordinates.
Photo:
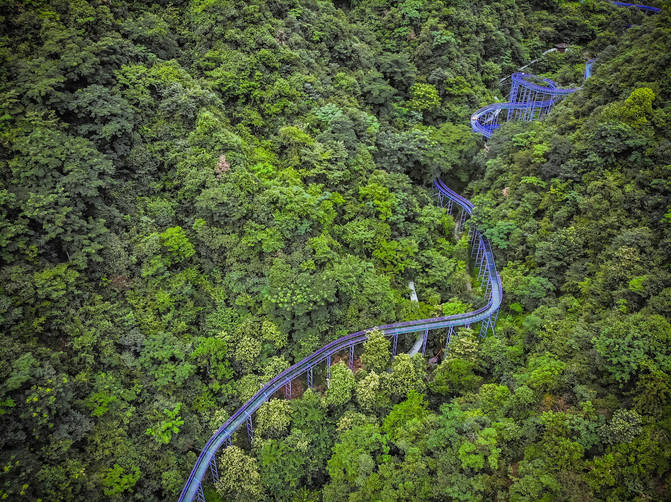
(485, 316)
(532, 97)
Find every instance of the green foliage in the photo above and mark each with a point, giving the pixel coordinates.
(341, 385)
(281, 467)
(195, 196)
(629, 344)
(168, 426)
(454, 376)
(177, 243)
(273, 418)
(545, 371)
(354, 457)
(369, 392)
(239, 477)
(423, 98)
(413, 408)
(376, 352)
(116, 481)
(408, 375)
(636, 109)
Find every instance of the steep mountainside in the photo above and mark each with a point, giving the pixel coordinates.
(195, 195)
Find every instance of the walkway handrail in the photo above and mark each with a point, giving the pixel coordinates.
(192, 487)
(636, 6)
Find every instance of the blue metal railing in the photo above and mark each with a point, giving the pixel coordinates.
(637, 6)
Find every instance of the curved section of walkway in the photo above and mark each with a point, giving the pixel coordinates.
(531, 97)
(483, 255)
(636, 6)
(489, 118)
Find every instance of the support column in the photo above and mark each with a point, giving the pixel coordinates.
(351, 357)
(450, 332)
(512, 98)
(475, 251)
(394, 345)
(213, 470)
(310, 377)
(531, 110)
(228, 442)
(496, 316)
(250, 429)
(484, 327)
(287, 390)
(481, 250)
(481, 269)
(200, 496)
(328, 370)
(426, 336)
(474, 237)
(449, 206)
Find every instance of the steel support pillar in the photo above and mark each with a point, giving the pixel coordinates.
(200, 496)
(481, 268)
(484, 327)
(450, 332)
(350, 360)
(475, 251)
(213, 470)
(394, 345)
(512, 98)
(287, 390)
(481, 251)
(228, 442)
(426, 336)
(310, 377)
(250, 429)
(328, 370)
(449, 206)
(496, 316)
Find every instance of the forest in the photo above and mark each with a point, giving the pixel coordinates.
(195, 195)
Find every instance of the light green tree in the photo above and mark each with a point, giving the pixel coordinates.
(273, 418)
(238, 476)
(376, 354)
(341, 386)
(408, 374)
(169, 423)
(247, 352)
(369, 393)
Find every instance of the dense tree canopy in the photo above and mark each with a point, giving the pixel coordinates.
(195, 195)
